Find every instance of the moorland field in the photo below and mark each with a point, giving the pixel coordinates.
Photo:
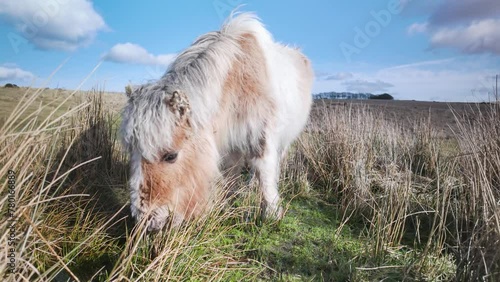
(373, 190)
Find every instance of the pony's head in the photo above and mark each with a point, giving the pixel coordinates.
(172, 162)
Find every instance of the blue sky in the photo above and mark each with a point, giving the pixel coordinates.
(443, 50)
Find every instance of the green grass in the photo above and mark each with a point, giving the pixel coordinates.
(304, 245)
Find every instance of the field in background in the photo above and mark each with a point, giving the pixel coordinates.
(373, 192)
(50, 99)
(405, 113)
(442, 115)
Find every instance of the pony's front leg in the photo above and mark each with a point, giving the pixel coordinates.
(266, 170)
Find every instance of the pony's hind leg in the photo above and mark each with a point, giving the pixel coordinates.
(266, 171)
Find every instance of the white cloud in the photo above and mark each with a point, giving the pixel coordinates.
(10, 72)
(455, 79)
(423, 63)
(478, 37)
(365, 86)
(54, 24)
(10, 65)
(417, 28)
(470, 26)
(450, 12)
(339, 76)
(440, 85)
(129, 53)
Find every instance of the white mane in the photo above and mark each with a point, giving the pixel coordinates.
(199, 72)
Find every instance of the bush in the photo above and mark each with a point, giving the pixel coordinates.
(384, 96)
(11, 85)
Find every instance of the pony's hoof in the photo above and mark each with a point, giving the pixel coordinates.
(275, 213)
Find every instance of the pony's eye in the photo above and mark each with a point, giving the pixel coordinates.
(169, 157)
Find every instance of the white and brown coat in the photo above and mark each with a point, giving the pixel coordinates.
(233, 94)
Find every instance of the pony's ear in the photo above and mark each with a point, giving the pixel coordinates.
(128, 90)
(179, 104)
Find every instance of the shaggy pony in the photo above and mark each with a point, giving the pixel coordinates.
(233, 96)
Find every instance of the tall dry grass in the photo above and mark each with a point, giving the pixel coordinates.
(478, 232)
(71, 212)
(52, 226)
(408, 188)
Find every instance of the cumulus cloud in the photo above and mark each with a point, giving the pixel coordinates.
(365, 86)
(478, 37)
(464, 11)
(339, 76)
(54, 24)
(471, 26)
(129, 53)
(12, 72)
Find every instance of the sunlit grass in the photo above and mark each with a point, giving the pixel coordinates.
(366, 199)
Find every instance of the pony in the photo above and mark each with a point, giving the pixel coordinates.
(234, 96)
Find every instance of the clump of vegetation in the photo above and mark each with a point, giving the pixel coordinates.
(409, 190)
(71, 207)
(384, 96)
(366, 199)
(10, 85)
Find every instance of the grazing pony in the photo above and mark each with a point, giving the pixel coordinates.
(233, 96)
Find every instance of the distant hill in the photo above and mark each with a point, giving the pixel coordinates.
(343, 95)
(351, 96)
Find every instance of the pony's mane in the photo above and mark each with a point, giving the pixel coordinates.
(199, 71)
(213, 52)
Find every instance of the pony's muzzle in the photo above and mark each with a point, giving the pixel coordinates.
(155, 222)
